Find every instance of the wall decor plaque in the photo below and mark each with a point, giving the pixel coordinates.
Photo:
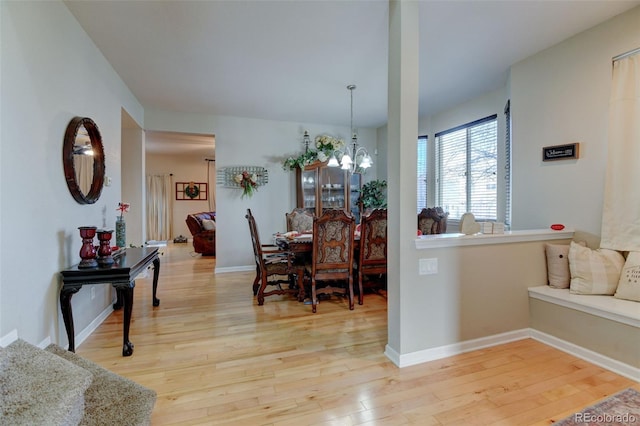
(561, 152)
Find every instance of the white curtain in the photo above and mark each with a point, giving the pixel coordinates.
(621, 208)
(83, 165)
(211, 182)
(159, 207)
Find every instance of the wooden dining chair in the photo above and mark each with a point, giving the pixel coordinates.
(372, 256)
(274, 267)
(299, 220)
(332, 255)
(432, 220)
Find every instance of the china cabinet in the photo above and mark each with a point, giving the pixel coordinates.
(319, 187)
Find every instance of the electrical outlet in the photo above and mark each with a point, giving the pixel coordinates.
(93, 293)
(428, 266)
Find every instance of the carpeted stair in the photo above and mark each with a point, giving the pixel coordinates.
(53, 386)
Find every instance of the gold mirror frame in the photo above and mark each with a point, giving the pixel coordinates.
(70, 172)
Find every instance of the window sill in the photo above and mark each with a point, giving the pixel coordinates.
(461, 240)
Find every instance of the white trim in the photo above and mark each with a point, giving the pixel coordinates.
(609, 307)
(44, 343)
(459, 240)
(432, 354)
(611, 364)
(234, 269)
(9, 338)
(392, 355)
(93, 325)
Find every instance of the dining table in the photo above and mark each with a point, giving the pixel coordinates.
(302, 243)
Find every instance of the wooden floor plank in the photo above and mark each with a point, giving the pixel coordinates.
(217, 358)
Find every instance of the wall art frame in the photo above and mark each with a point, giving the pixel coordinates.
(192, 191)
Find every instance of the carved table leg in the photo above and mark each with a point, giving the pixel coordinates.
(127, 296)
(156, 272)
(118, 304)
(67, 314)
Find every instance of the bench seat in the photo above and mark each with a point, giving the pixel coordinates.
(603, 329)
(624, 311)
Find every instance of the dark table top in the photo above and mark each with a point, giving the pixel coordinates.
(126, 266)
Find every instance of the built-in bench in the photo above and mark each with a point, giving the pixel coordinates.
(603, 329)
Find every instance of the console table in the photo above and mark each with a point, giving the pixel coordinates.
(121, 275)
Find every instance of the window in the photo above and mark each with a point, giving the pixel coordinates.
(466, 169)
(422, 173)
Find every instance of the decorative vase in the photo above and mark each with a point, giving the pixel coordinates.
(121, 232)
(87, 251)
(104, 250)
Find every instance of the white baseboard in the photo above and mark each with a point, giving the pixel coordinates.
(9, 338)
(432, 354)
(235, 269)
(93, 325)
(603, 361)
(405, 360)
(43, 344)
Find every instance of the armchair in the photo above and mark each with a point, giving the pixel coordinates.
(203, 228)
(332, 257)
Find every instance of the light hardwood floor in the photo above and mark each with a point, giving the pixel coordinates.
(215, 357)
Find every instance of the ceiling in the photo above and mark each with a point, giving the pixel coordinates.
(292, 60)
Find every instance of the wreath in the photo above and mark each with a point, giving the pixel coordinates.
(192, 191)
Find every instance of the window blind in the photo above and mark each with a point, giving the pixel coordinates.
(507, 165)
(422, 162)
(466, 169)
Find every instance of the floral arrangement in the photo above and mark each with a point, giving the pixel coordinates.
(248, 182)
(328, 144)
(123, 208)
(325, 146)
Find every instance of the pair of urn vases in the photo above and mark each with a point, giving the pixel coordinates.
(93, 256)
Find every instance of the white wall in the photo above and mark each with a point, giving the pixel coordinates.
(561, 96)
(251, 142)
(50, 72)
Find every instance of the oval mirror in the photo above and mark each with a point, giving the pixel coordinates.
(83, 160)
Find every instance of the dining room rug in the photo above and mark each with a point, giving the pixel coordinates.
(621, 409)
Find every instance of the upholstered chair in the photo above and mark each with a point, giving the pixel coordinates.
(372, 253)
(274, 267)
(299, 220)
(432, 220)
(332, 255)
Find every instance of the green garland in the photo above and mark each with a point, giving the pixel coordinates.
(192, 191)
(300, 161)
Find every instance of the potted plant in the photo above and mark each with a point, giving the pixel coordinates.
(373, 195)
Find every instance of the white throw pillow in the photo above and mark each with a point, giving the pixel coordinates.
(629, 284)
(208, 224)
(594, 271)
(558, 265)
(558, 272)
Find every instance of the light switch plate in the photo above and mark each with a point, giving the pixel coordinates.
(428, 266)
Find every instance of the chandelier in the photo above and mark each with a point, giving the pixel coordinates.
(351, 159)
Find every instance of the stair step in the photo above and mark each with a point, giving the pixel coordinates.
(38, 387)
(111, 399)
